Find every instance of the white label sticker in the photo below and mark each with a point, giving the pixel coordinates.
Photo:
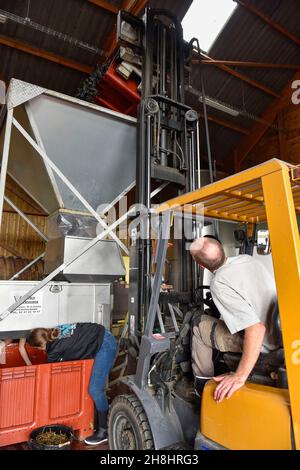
(32, 306)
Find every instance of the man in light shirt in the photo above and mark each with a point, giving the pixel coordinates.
(245, 295)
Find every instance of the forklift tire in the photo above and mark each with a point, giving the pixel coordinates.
(128, 425)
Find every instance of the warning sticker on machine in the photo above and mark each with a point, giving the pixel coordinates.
(31, 306)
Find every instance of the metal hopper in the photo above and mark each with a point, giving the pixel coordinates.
(69, 156)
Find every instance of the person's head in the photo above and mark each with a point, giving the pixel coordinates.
(208, 253)
(39, 337)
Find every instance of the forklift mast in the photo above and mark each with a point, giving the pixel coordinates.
(161, 409)
(168, 156)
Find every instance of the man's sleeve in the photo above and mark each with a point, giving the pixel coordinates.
(236, 312)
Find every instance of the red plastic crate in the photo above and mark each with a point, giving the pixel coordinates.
(37, 395)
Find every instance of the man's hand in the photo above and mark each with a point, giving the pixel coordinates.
(228, 384)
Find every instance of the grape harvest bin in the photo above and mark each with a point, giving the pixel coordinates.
(33, 396)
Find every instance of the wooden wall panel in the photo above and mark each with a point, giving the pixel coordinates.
(17, 235)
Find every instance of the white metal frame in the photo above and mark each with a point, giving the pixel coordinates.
(24, 216)
(4, 164)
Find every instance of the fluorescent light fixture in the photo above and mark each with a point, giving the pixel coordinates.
(219, 106)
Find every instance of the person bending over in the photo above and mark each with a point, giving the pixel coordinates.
(78, 341)
(245, 295)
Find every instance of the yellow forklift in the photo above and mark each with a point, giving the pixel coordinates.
(259, 416)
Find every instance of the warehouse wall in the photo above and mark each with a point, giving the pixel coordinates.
(17, 238)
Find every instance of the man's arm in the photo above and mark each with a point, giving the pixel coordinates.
(23, 352)
(252, 344)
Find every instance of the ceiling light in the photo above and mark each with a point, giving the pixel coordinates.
(219, 106)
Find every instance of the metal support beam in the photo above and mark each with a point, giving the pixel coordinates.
(172, 312)
(18, 274)
(266, 19)
(118, 198)
(216, 120)
(126, 191)
(12, 187)
(249, 81)
(213, 191)
(149, 345)
(160, 320)
(43, 54)
(159, 189)
(39, 141)
(282, 137)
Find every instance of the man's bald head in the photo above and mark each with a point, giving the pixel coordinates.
(208, 252)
